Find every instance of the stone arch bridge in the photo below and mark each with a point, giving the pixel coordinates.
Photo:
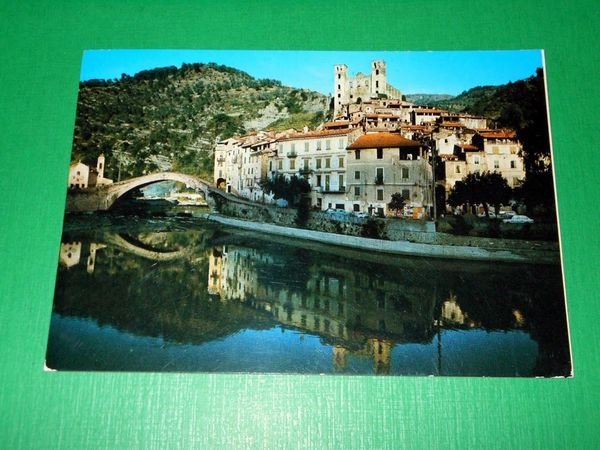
(103, 197)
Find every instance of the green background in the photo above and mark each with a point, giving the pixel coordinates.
(42, 43)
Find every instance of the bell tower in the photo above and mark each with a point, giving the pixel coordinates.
(340, 88)
(378, 78)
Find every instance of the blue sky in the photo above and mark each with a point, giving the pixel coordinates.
(436, 72)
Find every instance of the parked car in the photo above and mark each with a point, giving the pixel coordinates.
(361, 215)
(336, 211)
(492, 214)
(517, 218)
(506, 214)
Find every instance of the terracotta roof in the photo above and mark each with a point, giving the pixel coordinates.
(413, 127)
(468, 147)
(382, 116)
(432, 110)
(383, 140)
(498, 134)
(315, 134)
(452, 124)
(337, 124)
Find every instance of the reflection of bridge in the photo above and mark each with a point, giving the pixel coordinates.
(135, 248)
(103, 197)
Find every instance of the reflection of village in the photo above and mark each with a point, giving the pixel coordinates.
(357, 312)
(71, 254)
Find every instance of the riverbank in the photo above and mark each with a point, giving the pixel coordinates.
(456, 249)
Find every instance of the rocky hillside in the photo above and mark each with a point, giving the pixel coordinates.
(170, 118)
(426, 99)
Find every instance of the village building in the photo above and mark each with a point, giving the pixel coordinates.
(81, 176)
(241, 164)
(318, 156)
(447, 135)
(382, 164)
(420, 116)
(489, 150)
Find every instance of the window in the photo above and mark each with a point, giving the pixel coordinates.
(306, 163)
(339, 76)
(405, 173)
(340, 162)
(376, 71)
(328, 163)
(357, 154)
(318, 180)
(306, 147)
(513, 164)
(356, 207)
(318, 163)
(318, 145)
(341, 141)
(457, 169)
(341, 182)
(326, 182)
(357, 175)
(380, 173)
(376, 83)
(280, 164)
(379, 194)
(406, 194)
(339, 86)
(379, 153)
(270, 165)
(292, 164)
(476, 160)
(293, 147)
(496, 164)
(328, 144)
(339, 95)
(357, 191)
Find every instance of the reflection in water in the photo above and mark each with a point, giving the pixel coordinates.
(204, 299)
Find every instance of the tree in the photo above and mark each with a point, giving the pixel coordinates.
(397, 202)
(292, 190)
(486, 189)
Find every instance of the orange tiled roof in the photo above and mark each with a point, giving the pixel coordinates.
(498, 134)
(468, 147)
(382, 116)
(382, 140)
(315, 134)
(338, 123)
(432, 110)
(452, 124)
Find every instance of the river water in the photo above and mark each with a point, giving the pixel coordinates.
(183, 294)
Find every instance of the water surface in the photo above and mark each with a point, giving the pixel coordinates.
(187, 295)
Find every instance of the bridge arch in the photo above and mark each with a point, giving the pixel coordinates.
(119, 189)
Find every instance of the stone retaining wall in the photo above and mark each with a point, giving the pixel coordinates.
(396, 230)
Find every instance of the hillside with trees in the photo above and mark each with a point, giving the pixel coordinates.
(521, 106)
(170, 118)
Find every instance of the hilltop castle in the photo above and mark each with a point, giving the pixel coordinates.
(351, 90)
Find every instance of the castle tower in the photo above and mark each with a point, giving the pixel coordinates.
(340, 88)
(378, 78)
(100, 166)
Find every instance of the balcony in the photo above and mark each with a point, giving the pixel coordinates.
(333, 190)
(292, 155)
(221, 159)
(304, 172)
(379, 180)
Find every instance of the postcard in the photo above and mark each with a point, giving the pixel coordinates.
(350, 213)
